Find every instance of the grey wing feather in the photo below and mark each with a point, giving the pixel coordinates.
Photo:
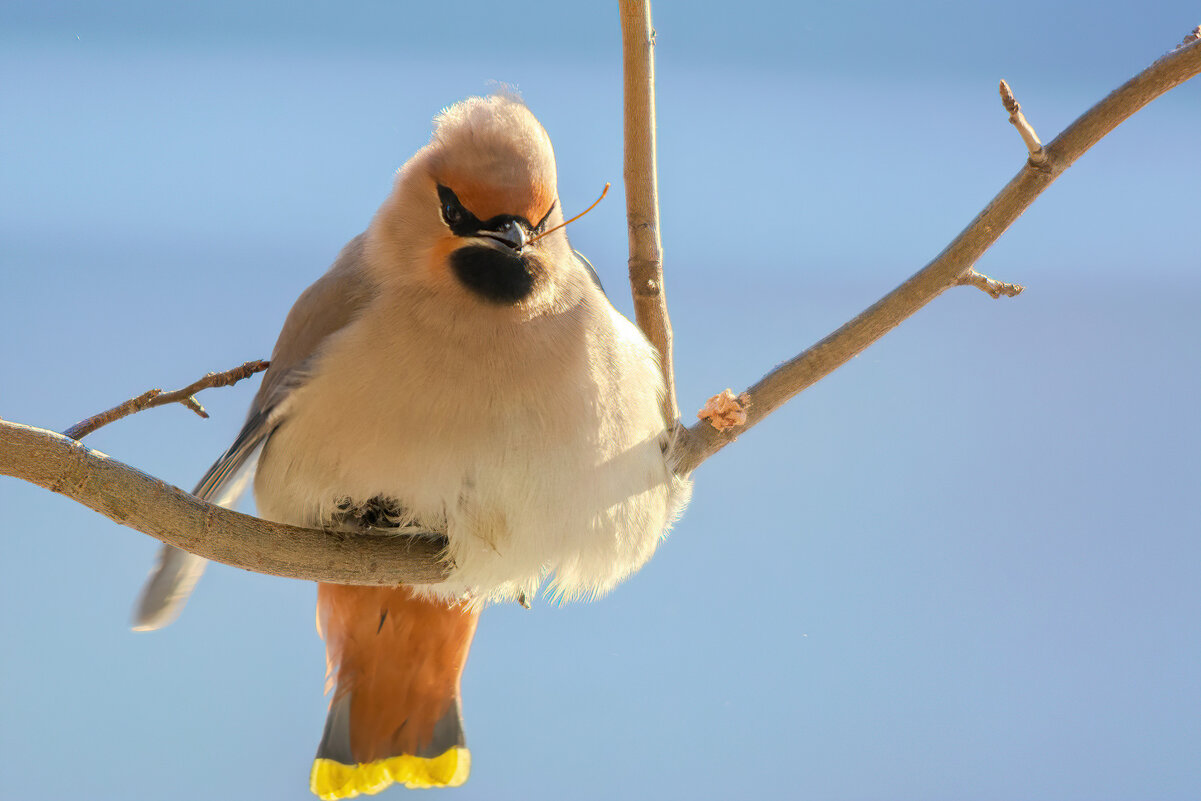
(324, 308)
(176, 572)
(591, 271)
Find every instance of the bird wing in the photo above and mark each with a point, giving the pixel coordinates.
(591, 271)
(322, 309)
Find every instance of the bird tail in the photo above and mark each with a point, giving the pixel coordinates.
(394, 661)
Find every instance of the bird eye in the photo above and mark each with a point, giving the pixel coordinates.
(460, 221)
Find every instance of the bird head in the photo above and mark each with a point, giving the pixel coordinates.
(459, 223)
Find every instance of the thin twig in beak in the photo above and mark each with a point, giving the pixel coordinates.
(573, 219)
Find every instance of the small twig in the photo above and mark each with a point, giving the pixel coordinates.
(1033, 144)
(195, 406)
(85, 427)
(990, 285)
(1192, 36)
(604, 192)
(156, 397)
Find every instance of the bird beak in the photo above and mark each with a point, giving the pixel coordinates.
(512, 234)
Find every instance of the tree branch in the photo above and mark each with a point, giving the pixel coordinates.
(642, 190)
(156, 397)
(134, 499)
(700, 441)
(169, 514)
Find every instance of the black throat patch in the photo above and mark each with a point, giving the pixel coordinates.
(498, 276)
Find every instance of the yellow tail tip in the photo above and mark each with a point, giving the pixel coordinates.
(331, 780)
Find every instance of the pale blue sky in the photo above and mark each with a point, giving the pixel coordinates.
(964, 566)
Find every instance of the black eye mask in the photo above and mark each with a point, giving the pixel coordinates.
(462, 222)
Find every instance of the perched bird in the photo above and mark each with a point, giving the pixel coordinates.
(458, 373)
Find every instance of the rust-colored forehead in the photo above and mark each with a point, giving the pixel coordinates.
(486, 197)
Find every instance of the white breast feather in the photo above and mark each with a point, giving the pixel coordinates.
(540, 453)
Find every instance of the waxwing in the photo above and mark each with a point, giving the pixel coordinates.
(457, 372)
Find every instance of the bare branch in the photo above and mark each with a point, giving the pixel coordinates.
(156, 397)
(171, 515)
(699, 442)
(642, 190)
(1037, 156)
(990, 285)
(85, 427)
(134, 499)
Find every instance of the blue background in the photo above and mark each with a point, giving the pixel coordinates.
(964, 566)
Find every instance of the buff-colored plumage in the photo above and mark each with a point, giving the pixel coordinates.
(447, 375)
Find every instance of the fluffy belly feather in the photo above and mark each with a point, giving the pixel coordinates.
(560, 480)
